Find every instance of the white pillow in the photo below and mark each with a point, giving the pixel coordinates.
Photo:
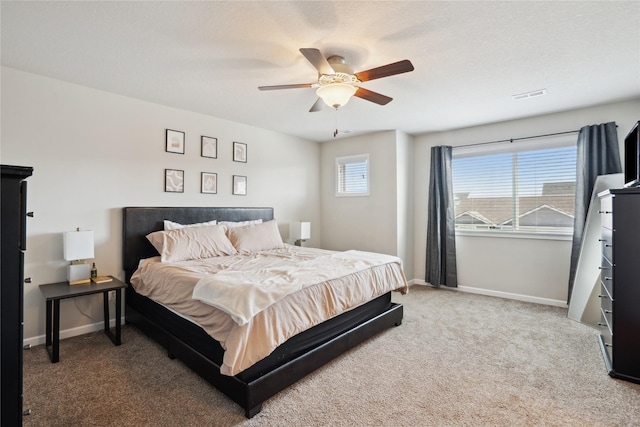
(189, 243)
(170, 225)
(231, 224)
(256, 237)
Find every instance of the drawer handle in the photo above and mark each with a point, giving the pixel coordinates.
(602, 324)
(607, 245)
(608, 311)
(602, 240)
(605, 212)
(30, 214)
(608, 345)
(607, 278)
(27, 280)
(604, 268)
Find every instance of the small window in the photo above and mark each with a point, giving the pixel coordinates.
(352, 175)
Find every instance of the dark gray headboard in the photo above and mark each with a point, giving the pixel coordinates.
(140, 221)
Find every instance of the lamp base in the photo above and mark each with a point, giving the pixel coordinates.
(78, 274)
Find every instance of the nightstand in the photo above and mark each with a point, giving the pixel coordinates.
(54, 292)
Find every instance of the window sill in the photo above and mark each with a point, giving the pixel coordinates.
(515, 235)
(352, 194)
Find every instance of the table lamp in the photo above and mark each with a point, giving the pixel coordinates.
(300, 231)
(78, 247)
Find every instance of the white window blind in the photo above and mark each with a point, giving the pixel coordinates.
(352, 175)
(516, 187)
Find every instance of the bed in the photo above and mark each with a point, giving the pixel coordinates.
(290, 361)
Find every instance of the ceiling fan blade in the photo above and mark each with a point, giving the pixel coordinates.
(317, 60)
(317, 106)
(375, 97)
(295, 86)
(385, 71)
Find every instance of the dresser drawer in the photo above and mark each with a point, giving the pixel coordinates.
(607, 320)
(606, 212)
(608, 342)
(606, 334)
(606, 275)
(606, 241)
(606, 306)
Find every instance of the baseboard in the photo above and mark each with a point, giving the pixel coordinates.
(499, 294)
(73, 332)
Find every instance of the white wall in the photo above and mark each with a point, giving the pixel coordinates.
(535, 270)
(383, 220)
(360, 222)
(95, 152)
(404, 204)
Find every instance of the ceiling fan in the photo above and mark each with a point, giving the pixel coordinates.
(337, 82)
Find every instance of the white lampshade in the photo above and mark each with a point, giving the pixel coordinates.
(336, 94)
(300, 230)
(78, 245)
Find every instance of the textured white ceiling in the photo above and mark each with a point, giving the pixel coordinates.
(210, 57)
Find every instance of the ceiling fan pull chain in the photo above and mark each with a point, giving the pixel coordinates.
(335, 121)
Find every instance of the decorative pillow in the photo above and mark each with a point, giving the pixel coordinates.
(170, 225)
(256, 237)
(157, 240)
(231, 224)
(188, 243)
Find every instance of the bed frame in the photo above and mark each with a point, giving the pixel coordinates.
(291, 361)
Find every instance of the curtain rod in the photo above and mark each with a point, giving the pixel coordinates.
(517, 139)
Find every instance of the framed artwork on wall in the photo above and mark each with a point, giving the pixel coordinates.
(239, 185)
(209, 183)
(239, 152)
(174, 141)
(173, 181)
(209, 147)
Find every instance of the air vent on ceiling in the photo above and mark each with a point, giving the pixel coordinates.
(528, 95)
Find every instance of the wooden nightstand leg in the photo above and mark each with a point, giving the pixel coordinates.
(118, 314)
(105, 311)
(55, 357)
(114, 337)
(47, 334)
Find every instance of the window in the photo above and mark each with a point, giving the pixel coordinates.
(516, 187)
(352, 175)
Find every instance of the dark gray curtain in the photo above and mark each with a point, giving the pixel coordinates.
(598, 154)
(441, 239)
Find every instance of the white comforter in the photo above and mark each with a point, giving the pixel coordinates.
(283, 316)
(243, 294)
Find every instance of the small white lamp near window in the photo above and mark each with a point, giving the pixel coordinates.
(300, 231)
(78, 247)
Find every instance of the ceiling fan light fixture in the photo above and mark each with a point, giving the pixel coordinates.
(336, 95)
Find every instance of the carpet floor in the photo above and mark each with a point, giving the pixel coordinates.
(458, 359)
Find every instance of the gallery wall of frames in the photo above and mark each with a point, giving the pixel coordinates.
(174, 179)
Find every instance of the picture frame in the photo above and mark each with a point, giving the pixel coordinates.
(209, 147)
(174, 141)
(239, 152)
(173, 181)
(209, 183)
(239, 185)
